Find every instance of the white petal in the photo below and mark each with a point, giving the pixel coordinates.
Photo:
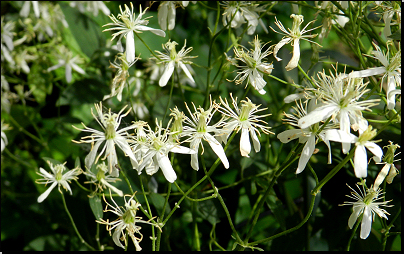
(296, 56)
(44, 195)
(289, 135)
(361, 162)
(166, 167)
(376, 150)
(391, 98)
(130, 47)
(245, 146)
(307, 152)
(194, 161)
(117, 235)
(279, 46)
(68, 73)
(182, 150)
(317, 115)
(155, 31)
(382, 175)
(354, 216)
(162, 15)
(168, 71)
(256, 141)
(218, 149)
(366, 225)
(186, 71)
(171, 18)
(368, 72)
(77, 68)
(89, 160)
(340, 136)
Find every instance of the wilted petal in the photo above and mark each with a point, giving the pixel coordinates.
(279, 46)
(296, 56)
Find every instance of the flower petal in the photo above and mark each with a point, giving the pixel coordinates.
(245, 146)
(280, 45)
(307, 152)
(289, 135)
(256, 141)
(296, 56)
(376, 150)
(366, 225)
(130, 47)
(44, 195)
(166, 167)
(317, 115)
(361, 162)
(217, 148)
(168, 71)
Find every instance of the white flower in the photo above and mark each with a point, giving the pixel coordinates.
(166, 15)
(294, 36)
(367, 204)
(243, 12)
(126, 223)
(389, 9)
(4, 140)
(255, 66)
(91, 6)
(128, 26)
(305, 135)
(339, 97)
(139, 109)
(101, 180)
(173, 59)
(111, 135)
(66, 59)
(119, 81)
(198, 129)
(391, 70)
(389, 171)
(56, 178)
(361, 142)
(159, 145)
(245, 120)
(24, 12)
(7, 44)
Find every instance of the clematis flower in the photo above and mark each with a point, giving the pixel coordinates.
(122, 74)
(66, 59)
(307, 135)
(245, 120)
(391, 70)
(111, 135)
(56, 177)
(339, 97)
(367, 204)
(172, 59)
(294, 36)
(7, 44)
(4, 140)
(128, 26)
(197, 128)
(24, 12)
(159, 145)
(127, 222)
(389, 171)
(255, 66)
(101, 180)
(362, 142)
(91, 6)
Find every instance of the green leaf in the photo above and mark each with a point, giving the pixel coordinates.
(96, 206)
(276, 207)
(51, 160)
(39, 81)
(158, 201)
(208, 211)
(77, 163)
(396, 36)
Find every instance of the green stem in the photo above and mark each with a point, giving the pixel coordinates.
(74, 225)
(169, 98)
(354, 232)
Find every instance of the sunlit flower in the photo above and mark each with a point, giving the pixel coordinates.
(126, 223)
(391, 70)
(122, 74)
(255, 67)
(243, 119)
(159, 145)
(197, 128)
(367, 204)
(66, 59)
(128, 26)
(101, 180)
(362, 142)
(307, 135)
(294, 36)
(111, 135)
(339, 97)
(389, 171)
(173, 59)
(56, 177)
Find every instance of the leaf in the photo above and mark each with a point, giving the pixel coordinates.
(207, 210)
(396, 36)
(276, 207)
(39, 82)
(51, 160)
(158, 201)
(77, 163)
(96, 206)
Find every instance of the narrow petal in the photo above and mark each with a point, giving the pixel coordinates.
(89, 160)
(367, 73)
(186, 71)
(77, 68)
(307, 152)
(256, 141)
(130, 47)
(194, 161)
(366, 225)
(289, 135)
(44, 195)
(68, 73)
(182, 150)
(162, 16)
(354, 216)
(218, 149)
(153, 30)
(382, 175)
(317, 115)
(296, 56)
(171, 18)
(279, 46)
(361, 162)
(245, 146)
(168, 71)
(376, 150)
(340, 136)
(166, 167)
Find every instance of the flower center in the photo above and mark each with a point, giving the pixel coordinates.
(59, 170)
(297, 21)
(110, 121)
(246, 108)
(171, 46)
(367, 135)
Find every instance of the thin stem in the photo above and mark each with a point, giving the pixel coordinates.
(74, 225)
(354, 232)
